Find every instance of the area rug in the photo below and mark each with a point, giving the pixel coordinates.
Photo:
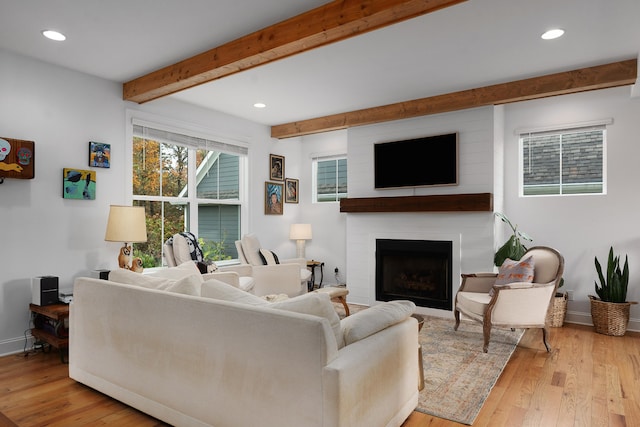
(458, 375)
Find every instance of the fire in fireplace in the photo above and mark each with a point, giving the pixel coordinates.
(416, 270)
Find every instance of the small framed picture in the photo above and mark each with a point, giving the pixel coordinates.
(99, 155)
(276, 167)
(273, 198)
(78, 184)
(290, 190)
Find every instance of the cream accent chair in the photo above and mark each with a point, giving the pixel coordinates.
(179, 252)
(514, 305)
(249, 253)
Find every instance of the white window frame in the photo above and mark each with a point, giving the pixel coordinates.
(222, 143)
(568, 128)
(315, 158)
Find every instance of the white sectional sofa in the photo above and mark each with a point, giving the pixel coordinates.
(192, 352)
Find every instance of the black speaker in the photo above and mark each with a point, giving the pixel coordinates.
(44, 290)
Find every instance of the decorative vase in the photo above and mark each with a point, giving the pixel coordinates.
(610, 318)
(557, 310)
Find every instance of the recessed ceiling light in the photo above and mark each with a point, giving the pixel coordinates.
(552, 34)
(260, 105)
(54, 35)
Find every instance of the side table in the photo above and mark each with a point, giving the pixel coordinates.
(312, 281)
(49, 325)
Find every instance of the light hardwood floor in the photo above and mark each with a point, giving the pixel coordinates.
(587, 380)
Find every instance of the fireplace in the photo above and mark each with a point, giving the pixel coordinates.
(415, 270)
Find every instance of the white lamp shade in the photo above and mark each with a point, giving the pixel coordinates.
(126, 224)
(300, 232)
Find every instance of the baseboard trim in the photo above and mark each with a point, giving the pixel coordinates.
(15, 345)
(581, 318)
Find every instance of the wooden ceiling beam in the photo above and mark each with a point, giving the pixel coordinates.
(332, 22)
(598, 77)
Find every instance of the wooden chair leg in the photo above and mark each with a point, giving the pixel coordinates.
(456, 314)
(486, 332)
(343, 300)
(545, 334)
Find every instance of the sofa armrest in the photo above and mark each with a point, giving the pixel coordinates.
(277, 279)
(241, 269)
(387, 357)
(478, 282)
(230, 277)
(302, 262)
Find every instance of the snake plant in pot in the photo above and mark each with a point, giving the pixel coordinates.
(610, 310)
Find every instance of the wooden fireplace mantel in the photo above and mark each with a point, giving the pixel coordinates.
(478, 202)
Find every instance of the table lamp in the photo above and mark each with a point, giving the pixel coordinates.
(126, 224)
(300, 233)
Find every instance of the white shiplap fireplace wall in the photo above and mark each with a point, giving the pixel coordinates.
(472, 233)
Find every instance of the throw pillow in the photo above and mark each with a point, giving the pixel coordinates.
(514, 271)
(317, 305)
(374, 319)
(216, 289)
(190, 285)
(268, 257)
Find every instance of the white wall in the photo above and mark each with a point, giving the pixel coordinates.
(43, 234)
(585, 226)
(471, 232)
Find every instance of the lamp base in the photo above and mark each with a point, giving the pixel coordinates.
(127, 262)
(300, 244)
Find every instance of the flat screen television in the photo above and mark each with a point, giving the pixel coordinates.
(427, 161)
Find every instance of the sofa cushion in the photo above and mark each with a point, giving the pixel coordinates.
(188, 268)
(315, 304)
(187, 284)
(216, 289)
(251, 249)
(374, 319)
(268, 257)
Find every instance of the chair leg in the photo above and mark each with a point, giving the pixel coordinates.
(486, 331)
(456, 314)
(545, 333)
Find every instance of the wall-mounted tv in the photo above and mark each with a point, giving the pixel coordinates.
(427, 161)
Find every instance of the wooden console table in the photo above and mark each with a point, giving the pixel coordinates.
(56, 335)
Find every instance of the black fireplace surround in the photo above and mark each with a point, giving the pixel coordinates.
(415, 270)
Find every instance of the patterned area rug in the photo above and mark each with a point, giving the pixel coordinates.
(458, 376)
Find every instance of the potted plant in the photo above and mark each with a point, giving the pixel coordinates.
(610, 310)
(514, 249)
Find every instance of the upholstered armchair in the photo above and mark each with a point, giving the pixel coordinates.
(523, 302)
(183, 247)
(251, 252)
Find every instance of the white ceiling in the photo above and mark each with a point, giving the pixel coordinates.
(472, 44)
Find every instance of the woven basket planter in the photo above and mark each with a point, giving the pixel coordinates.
(557, 310)
(610, 318)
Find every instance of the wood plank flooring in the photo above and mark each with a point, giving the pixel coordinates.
(587, 380)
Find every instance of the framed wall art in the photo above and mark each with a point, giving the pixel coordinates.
(273, 198)
(291, 190)
(276, 167)
(99, 155)
(78, 184)
(17, 158)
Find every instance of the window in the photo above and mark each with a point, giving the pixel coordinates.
(187, 183)
(560, 162)
(330, 179)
